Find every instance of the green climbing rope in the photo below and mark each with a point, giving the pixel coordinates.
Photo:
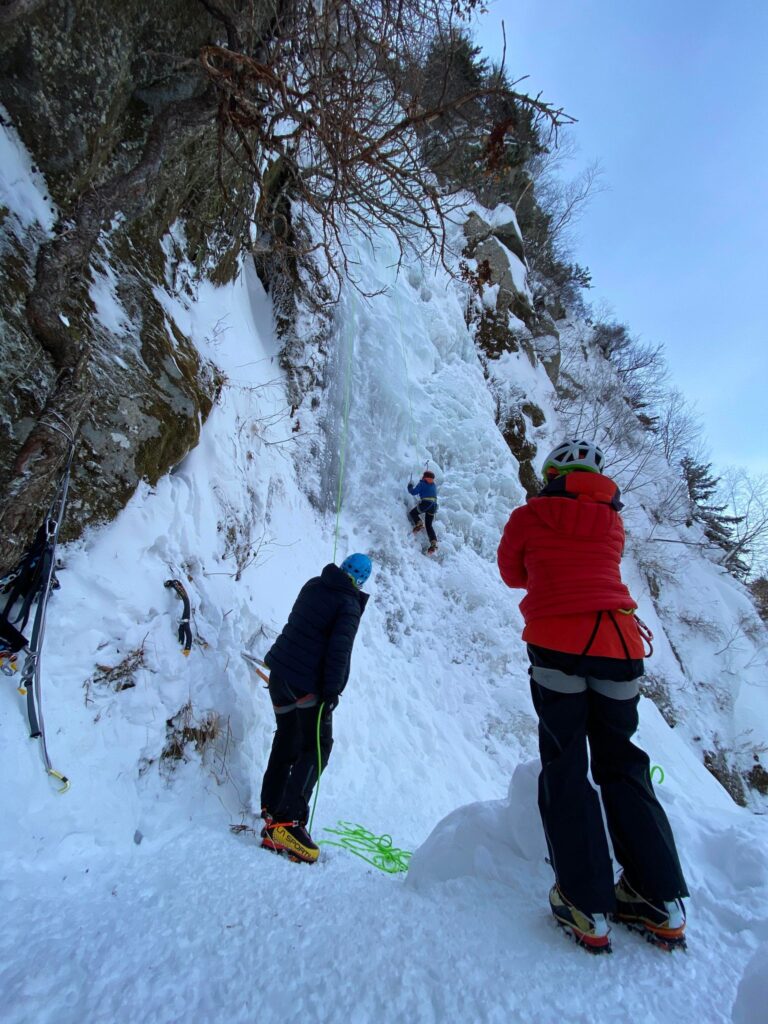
(373, 849)
(319, 765)
(411, 429)
(345, 419)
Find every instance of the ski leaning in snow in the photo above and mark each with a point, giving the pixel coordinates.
(33, 579)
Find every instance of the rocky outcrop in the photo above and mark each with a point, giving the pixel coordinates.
(500, 264)
(108, 99)
(511, 322)
(524, 450)
(507, 322)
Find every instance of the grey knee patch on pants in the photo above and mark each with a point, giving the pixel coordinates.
(554, 679)
(309, 700)
(284, 699)
(614, 688)
(561, 682)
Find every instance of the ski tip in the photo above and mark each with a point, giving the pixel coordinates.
(65, 783)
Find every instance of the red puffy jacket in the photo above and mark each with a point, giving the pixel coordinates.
(566, 551)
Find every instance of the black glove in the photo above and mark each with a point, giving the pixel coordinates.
(330, 702)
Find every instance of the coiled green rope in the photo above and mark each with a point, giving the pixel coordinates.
(355, 838)
(375, 850)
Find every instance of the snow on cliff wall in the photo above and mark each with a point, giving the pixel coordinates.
(435, 722)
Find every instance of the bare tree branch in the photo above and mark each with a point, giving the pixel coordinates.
(337, 101)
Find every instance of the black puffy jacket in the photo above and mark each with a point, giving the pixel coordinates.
(313, 652)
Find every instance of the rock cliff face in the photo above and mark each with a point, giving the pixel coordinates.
(108, 99)
(504, 320)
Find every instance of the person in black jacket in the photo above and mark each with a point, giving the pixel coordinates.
(309, 668)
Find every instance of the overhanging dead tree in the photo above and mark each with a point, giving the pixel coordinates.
(324, 105)
(331, 116)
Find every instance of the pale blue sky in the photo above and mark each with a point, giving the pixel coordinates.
(672, 99)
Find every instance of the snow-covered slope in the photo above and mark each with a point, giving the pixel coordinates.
(128, 899)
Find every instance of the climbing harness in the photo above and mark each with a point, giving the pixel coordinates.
(646, 635)
(185, 633)
(33, 580)
(376, 850)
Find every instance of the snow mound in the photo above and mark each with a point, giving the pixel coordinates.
(485, 840)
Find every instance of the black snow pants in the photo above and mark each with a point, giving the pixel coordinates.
(291, 771)
(580, 711)
(415, 517)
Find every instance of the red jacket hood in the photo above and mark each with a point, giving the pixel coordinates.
(564, 547)
(590, 502)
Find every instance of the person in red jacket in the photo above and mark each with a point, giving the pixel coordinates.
(564, 547)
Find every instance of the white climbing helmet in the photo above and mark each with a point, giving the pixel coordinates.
(584, 455)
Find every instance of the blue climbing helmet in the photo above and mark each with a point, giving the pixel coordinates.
(358, 567)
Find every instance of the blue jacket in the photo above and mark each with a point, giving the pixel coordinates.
(312, 654)
(426, 492)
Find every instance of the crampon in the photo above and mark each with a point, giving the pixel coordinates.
(668, 939)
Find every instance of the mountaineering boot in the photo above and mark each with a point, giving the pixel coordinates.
(290, 838)
(267, 819)
(661, 922)
(8, 660)
(587, 930)
(432, 548)
(418, 528)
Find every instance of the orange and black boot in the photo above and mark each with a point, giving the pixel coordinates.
(290, 838)
(661, 922)
(590, 931)
(267, 818)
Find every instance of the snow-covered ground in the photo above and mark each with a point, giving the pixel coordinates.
(129, 899)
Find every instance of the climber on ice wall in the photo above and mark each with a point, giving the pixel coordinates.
(426, 491)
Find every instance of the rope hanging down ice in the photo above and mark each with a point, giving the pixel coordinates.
(411, 428)
(351, 320)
